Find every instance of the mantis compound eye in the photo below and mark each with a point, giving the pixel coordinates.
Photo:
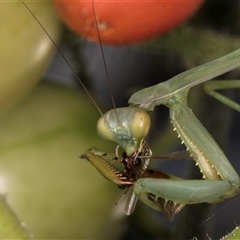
(140, 125)
(103, 130)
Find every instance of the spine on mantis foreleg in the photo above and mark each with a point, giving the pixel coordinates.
(209, 157)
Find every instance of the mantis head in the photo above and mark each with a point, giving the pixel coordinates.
(126, 126)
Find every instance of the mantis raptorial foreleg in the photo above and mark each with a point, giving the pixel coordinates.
(222, 181)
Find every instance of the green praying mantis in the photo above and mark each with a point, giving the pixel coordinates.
(129, 127)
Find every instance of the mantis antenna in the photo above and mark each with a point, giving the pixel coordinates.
(104, 61)
(65, 59)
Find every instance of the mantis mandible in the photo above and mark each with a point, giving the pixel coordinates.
(161, 191)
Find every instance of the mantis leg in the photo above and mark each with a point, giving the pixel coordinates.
(221, 182)
(170, 195)
(211, 87)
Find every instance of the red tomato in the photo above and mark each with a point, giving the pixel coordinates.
(124, 22)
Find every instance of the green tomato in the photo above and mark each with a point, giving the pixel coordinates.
(56, 193)
(25, 49)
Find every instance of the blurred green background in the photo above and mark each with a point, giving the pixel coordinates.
(47, 186)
